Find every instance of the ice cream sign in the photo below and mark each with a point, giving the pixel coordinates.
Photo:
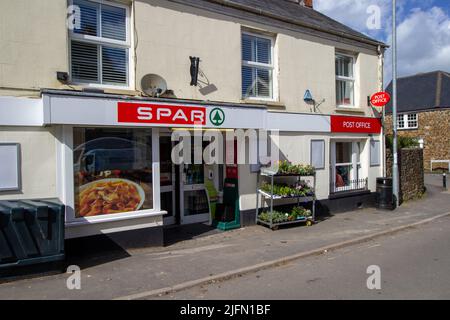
(346, 124)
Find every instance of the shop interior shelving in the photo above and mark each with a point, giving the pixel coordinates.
(271, 198)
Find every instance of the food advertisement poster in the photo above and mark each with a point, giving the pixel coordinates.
(112, 171)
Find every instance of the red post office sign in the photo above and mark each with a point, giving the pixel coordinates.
(346, 124)
(153, 113)
(380, 99)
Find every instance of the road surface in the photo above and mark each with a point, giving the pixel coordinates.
(414, 264)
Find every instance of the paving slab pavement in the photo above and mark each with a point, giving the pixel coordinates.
(151, 269)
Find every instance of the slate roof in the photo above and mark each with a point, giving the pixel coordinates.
(287, 12)
(422, 92)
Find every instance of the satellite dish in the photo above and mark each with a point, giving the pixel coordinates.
(153, 85)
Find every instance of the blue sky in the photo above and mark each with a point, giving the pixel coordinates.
(423, 30)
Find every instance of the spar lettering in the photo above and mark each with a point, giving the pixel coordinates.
(162, 114)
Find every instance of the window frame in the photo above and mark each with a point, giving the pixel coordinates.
(356, 166)
(270, 67)
(322, 141)
(66, 184)
(101, 41)
(406, 121)
(347, 79)
(377, 159)
(18, 169)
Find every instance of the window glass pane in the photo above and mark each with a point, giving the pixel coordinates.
(264, 82)
(114, 23)
(412, 120)
(344, 66)
(318, 154)
(400, 121)
(165, 161)
(114, 65)
(344, 93)
(343, 176)
(358, 152)
(256, 82)
(195, 202)
(89, 17)
(248, 49)
(263, 50)
(112, 171)
(374, 153)
(343, 152)
(84, 58)
(248, 76)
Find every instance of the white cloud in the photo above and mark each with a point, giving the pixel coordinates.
(423, 40)
(423, 34)
(353, 13)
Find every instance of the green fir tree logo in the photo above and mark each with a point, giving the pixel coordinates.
(217, 117)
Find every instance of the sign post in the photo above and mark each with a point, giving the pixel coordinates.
(394, 102)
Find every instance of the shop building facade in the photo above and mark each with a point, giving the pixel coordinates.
(424, 116)
(74, 104)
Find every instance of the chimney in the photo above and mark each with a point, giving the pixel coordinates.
(305, 3)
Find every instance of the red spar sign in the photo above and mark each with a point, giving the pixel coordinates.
(380, 99)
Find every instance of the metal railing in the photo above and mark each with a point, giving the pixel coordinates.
(351, 185)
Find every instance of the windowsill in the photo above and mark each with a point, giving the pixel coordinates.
(407, 129)
(268, 103)
(131, 216)
(350, 109)
(106, 89)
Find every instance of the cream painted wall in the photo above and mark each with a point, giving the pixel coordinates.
(38, 159)
(295, 147)
(33, 44)
(167, 35)
(305, 65)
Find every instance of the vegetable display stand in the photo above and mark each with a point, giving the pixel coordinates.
(270, 190)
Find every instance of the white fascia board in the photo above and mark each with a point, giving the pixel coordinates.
(88, 111)
(298, 122)
(17, 111)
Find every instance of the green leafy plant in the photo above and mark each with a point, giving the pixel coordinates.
(300, 212)
(277, 217)
(402, 142)
(286, 167)
(284, 190)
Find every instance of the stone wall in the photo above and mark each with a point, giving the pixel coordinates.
(411, 172)
(434, 129)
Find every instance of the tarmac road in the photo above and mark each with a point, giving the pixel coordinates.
(414, 264)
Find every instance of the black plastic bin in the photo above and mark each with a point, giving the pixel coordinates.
(31, 232)
(384, 196)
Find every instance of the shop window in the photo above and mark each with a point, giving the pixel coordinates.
(375, 153)
(10, 167)
(407, 121)
(318, 154)
(345, 80)
(99, 44)
(257, 66)
(112, 171)
(346, 167)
